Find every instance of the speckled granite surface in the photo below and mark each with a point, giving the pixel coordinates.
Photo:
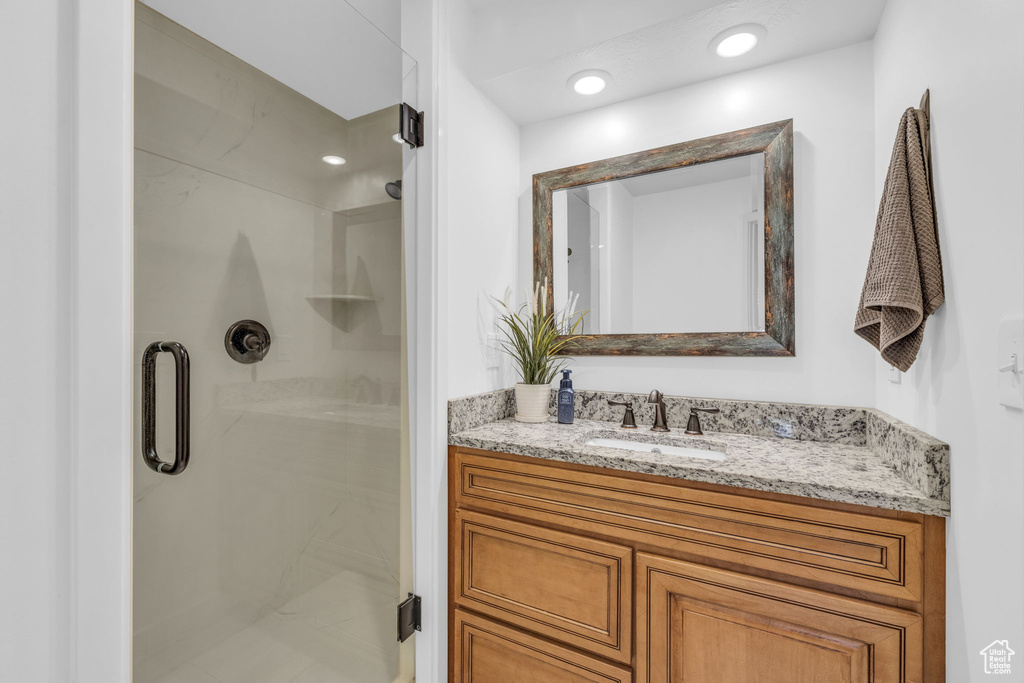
(473, 411)
(919, 458)
(787, 420)
(849, 455)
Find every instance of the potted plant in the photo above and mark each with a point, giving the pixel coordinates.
(534, 337)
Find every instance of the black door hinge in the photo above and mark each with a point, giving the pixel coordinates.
(409, 617)
(410, 125)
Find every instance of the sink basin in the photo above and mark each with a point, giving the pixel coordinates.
(657, 448)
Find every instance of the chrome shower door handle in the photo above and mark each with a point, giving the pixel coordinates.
(181, 407)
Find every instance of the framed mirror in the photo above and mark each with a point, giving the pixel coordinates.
(685, 250)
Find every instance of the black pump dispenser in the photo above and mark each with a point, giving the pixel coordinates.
(566, 399)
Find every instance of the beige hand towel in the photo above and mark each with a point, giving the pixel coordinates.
(903, 285)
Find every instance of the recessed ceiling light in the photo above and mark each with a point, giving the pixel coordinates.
(589, 82)
(738, 40)
(397, 137)
(333, 160)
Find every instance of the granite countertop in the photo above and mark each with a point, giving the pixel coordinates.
(826, 470)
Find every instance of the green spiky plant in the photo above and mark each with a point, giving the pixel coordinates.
(534, 336)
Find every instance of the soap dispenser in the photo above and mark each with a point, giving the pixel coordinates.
(566, 399)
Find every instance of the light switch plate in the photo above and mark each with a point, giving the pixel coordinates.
(1011, 347)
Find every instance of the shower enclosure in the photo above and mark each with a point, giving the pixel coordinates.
(271, 517)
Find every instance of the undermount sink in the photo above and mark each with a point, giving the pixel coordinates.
(657, 448)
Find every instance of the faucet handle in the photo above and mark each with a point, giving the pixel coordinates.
(628, 419)
(693, 424)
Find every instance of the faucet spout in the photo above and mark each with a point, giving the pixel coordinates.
(658, 400)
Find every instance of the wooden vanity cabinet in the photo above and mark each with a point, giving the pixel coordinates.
(564, 572)
(487, 651)
(706, 624)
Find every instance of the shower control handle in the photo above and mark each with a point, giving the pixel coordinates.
(247, 341)
(252, 342)
(181, 408)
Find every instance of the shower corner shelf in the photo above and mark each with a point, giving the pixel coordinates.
(342, 297)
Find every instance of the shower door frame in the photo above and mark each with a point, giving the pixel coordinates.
(99, 72)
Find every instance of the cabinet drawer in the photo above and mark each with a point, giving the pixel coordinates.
(863, 552)
(488, 652)
(706, 625)
(576, 590)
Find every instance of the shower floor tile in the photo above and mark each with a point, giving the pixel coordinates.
(188, 674)
(342, 631)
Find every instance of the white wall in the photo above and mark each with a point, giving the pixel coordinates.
(35, 283)
(482, 147)
(972, 59)
(830, 98)
(64, 391)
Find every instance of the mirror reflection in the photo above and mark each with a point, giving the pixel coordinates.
(674, 251)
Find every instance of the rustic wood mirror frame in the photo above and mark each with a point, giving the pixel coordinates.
(778, 338)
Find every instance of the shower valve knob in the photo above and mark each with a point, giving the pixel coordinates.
(252, 342)
(247, 341)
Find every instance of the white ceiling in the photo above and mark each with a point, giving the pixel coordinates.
(520, 54)
(507, 36)
(328, 50)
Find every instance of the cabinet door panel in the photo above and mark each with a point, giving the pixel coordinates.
(489, 652)
(698, 624)
(575, 589)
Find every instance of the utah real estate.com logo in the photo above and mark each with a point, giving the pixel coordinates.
(997, 657)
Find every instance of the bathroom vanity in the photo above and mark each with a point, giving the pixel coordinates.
(818, 556)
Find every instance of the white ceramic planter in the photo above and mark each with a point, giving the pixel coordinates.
(532, 401)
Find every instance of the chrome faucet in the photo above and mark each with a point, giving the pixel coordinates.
(659, 412)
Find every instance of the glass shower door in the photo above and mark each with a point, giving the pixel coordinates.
(268, 277)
